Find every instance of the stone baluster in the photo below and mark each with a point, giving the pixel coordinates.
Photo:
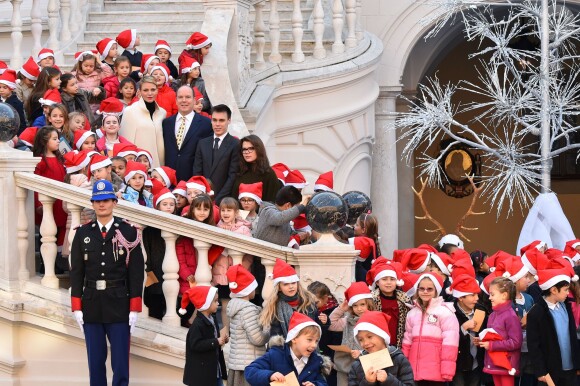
(48, 249)
(76, 16)
(16, 35)
(53, 24)
(75, 221)
(170, 275)
(318, 28)
(236, 256)
(203, 272)
(358, 28)
(259, 36)
(22, 227)
(268, 286)
(36, 26)
(297, 32)
(275, 56)
(65, 20)
(337, 24)
(351, 23)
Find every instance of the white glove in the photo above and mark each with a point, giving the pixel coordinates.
(132, 320)
(79, 318)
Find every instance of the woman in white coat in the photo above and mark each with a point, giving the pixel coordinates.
(141, 122)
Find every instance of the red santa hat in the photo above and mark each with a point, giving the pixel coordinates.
(435, 278)
(499, 358)
(156, 186)
(416, 260)
(571, 250)
(27, 136)
(384, 268)
(451, 239)
(146, 62)
(398, 255)
(161, 195)
(460, 254)
(162, 44)
(197, 95)
(409, 286)
(3, 66)
(296, 179)
(300, 224)
(51, 97)
(75, 161)
(44, 53)
(283, 273)
(487, 282)
(512, 269)
(187, 64)
(127, 38)
(201, 296)
(462, 266)
(253, 191)
(443, 261)
(135, 168)
(241, 282)
(493, 260)
(357, 291)
(534, 260)
(124, 149)
(181, 189)
(297, 323)
(376, 322)
(80, 136)
(104, 46)
(196, 41)
(282, 167)
(164, 69)
(111, 106)
(146, 153)
(365, 245)
(81, 54)
(428, 247)
(325, 182)
(199, 183)
(30, 69)
(8, 78)
(99, 161)
(148, 183)
(537, 244)
(168, 175)
(463, 285)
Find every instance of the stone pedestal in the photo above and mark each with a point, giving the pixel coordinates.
(14, 161)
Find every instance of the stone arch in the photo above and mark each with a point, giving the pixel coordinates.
(352, 169)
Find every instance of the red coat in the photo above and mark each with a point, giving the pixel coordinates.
(51, 167)
(111, 85)
(186, 256)
(166, 99)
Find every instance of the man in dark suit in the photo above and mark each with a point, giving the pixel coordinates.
(181, 133)
(217, 157)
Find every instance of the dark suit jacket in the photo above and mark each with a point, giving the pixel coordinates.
(182, 159)
(221, 171)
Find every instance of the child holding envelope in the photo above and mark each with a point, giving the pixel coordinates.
(372, 333)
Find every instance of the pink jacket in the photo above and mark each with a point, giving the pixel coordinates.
(88, 82)
(102, 144)
(431, 341)
(221, 265)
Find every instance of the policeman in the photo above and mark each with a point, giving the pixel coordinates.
(107, 272)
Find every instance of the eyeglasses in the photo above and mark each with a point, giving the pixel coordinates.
(423, 289)
(246, 150)
(246, 200)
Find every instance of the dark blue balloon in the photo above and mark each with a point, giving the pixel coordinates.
(326, 212)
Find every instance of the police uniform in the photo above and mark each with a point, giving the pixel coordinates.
(106, 287)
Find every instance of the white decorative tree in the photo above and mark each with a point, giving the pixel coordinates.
(525, 96)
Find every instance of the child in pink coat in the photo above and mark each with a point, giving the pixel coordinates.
(431, 337)
(89, 73)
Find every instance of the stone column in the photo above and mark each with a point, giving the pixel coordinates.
(384, 172)
(10, 259)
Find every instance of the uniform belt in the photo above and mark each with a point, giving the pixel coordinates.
(104, 284)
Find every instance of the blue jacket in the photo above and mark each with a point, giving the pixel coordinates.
(131, 195)
(278, 359)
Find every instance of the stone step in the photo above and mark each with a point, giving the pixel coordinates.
(112, 28)
(147, 48)
(138, 16)
(138, 5)
(146, 36)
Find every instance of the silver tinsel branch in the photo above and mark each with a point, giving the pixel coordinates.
(508, 102)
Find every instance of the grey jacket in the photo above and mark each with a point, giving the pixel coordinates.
(247, 337)
(400, 374)
(274, 224)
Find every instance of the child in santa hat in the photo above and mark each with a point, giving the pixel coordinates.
(76, 99)
(129, 40)
(250, 198)
(166, 97)
(48, 80)
(196, 47)
(465, 289)
(191, 75)
(431, 333)
(8, 96)
(88, 70)
(163, 50)
(287, 296)
(506, 324)
(298, 354)
(27, 75)
(204, 358)
(135, 177)
(552, 341)
(358, 300)
(372, 333)
(247, 337)
(384, 277)
(101, 168)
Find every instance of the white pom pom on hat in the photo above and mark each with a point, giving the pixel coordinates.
(233, 285)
